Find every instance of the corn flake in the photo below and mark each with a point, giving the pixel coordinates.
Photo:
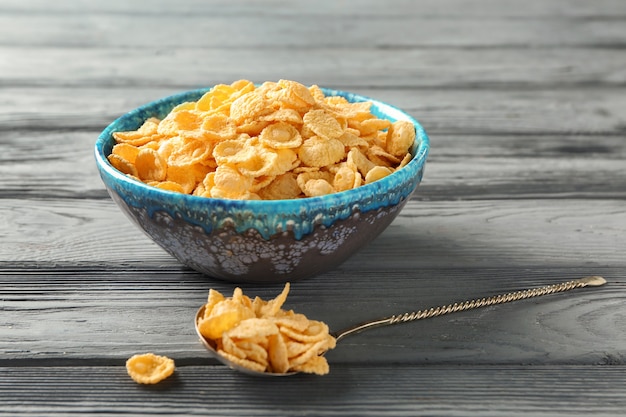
(179, 120)
(126, 151)
(230, 182)
(170, 186)
(283, 187)
(320, 152)
(323, 124)
(190, 151)
(280, 135)
(248, 106)
(150, 165)
(377, 173)
(317, 187)
(358, 161)
(346, 178)
(123, 165)
(185, 176)
(400, 137)
(149, 368)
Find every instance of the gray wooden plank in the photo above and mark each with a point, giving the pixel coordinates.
(600, 9)
(287, 27)
(347, 391)
(453, 68)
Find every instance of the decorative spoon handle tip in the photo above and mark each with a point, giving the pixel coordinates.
(593, 281)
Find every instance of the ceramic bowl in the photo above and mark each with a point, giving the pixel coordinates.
(260, 241)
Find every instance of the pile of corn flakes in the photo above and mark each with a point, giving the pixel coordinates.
(280, 140)
(261, 336)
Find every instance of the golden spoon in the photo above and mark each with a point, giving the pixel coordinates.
(591, 281)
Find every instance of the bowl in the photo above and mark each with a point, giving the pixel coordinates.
(260, 241)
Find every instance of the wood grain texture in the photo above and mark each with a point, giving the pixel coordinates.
(488, 9)
(331, 67)
(525, 103)
(341, 28)
(394, 391)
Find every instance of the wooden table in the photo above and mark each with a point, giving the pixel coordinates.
(525, 103)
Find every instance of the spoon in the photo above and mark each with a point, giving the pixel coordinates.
(591, 281)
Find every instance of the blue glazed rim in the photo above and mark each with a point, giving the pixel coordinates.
(268, 217)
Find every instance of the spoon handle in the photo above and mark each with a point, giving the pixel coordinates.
(592, 281)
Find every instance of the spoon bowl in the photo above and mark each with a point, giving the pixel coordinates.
(590, 281)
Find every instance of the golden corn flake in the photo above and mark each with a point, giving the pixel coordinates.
(319, 152)
(123, 165)
(381, 157)
(230, 181)
(170, 186)
(323, 124)
(185, 175)
(261, 182)
(224, 316)
(317, 187)
(313, 183)
(262, 336)
(283, 187)
(377, 173)
(126, 151)
(297, 91)
(150, 165)
(179, 121)
(281, 135)
(359, 162)
(148, 368)
(190, 151)
(290, 116)
(346, 178)
(400, 137)
(218, 127)
(248, 107)
(146, 133)
(240, 141)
